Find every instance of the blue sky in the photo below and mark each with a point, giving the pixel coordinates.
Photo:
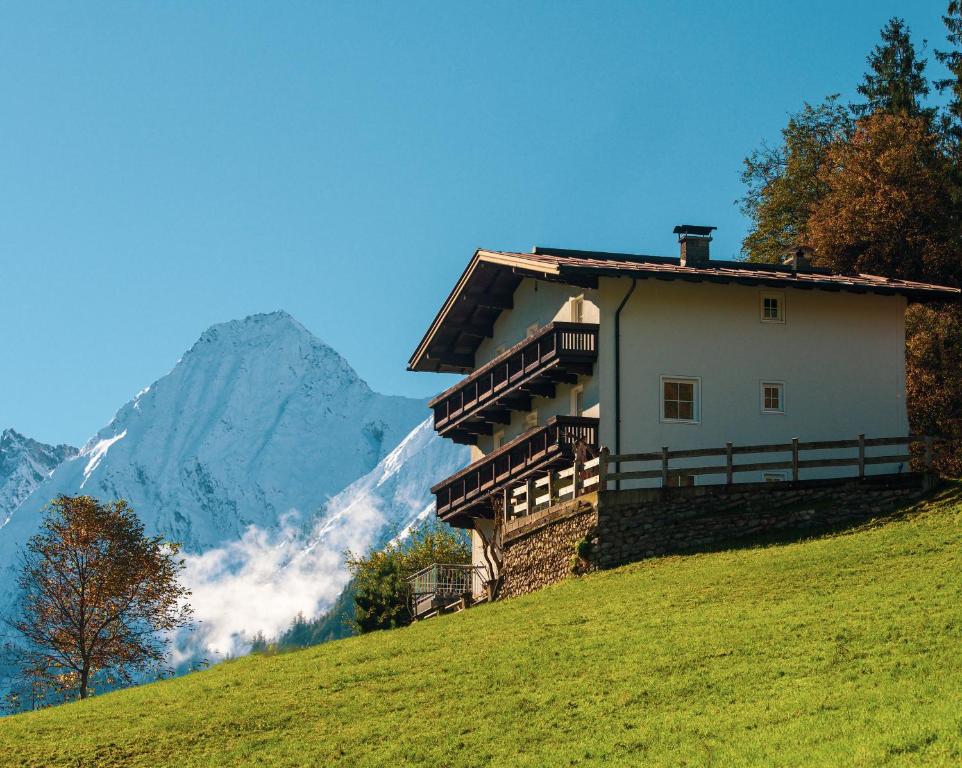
(165, 166)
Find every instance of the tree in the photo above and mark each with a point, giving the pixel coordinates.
(896, 83)
(952, 59)
(886, 203)
(783, 182)
(380, 578)
(96, 594)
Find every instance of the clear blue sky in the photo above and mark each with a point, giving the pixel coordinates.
(165, 166)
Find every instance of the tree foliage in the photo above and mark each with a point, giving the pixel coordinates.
(952, 59)
(783, 183)
(96, 594)
(885, 203)
(381, 596)
(895, 83)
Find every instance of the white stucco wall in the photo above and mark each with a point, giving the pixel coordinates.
(840, 356)
(539, 303)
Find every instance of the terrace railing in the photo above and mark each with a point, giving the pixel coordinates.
(557, 352)
(440, 585)
(537, 449)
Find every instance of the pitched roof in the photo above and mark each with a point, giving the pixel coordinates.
(487, 285)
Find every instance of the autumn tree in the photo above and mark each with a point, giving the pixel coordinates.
(783, 183)
(886, 203)
(381, 595)
(96, 596)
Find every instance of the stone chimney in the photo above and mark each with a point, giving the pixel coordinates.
(694, 244)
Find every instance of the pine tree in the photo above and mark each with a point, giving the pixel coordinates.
(952, 59)
(896, 83)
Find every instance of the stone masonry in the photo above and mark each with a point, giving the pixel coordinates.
(624, 526)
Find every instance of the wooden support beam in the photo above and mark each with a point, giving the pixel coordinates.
(489, 300)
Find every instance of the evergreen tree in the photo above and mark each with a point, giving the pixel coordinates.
(952, 59)
(896, 82)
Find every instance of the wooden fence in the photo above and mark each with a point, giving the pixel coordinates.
(606, 471)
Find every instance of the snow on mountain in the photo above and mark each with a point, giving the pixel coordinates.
(24, 464)
(261, 581)
(256, 429)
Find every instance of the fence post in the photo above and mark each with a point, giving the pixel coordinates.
(729, 469)
(529, 495)
(795, 459)
(861, 456)
(507, 503)
(552, 486)
(576, 479)
(664, 466)
(603, 469)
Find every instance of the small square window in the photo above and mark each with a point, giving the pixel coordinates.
(773, 307)
(773, 397)
(680, 399)
(531, 419)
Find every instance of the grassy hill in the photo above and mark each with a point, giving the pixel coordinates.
(842, 650)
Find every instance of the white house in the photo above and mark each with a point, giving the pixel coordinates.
(639, 352)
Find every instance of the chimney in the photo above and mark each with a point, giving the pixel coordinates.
(694, 244)
(798, 258)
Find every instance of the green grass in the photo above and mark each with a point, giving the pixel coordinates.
(838, 651)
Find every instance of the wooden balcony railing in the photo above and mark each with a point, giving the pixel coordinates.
(468, 493)
(556, 353)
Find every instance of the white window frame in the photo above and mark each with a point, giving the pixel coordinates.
(696, 404)
(781, 396)
(577, 308)
(774, 477)
(779, 296)
(577, 393)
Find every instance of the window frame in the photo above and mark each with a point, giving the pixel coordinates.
(579, 302)
(696, 401)
(781, 397)
(779, 296)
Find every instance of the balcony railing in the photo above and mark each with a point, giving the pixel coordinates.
(468, 493)
(556, 353)
(440, 585)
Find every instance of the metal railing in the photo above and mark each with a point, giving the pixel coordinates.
(440, 585)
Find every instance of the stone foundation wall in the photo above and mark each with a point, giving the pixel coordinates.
(633, 525)
(540, 554)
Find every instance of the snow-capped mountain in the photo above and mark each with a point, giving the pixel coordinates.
(24, 464)
(259, 582)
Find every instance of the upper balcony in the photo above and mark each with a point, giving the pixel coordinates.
(468, 493)
(555, 354)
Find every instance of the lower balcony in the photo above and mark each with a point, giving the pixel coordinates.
(468, 494)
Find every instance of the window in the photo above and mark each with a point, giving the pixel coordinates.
(577, 400)
(774, 477)
(680, 480)
(773, 397)
(578, 309)
(531, 420)
(680, 399)
(497, 440)
(773, 307)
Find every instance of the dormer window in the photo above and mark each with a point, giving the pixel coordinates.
(772, 307)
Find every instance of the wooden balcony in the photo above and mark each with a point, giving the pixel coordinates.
(468, 493)
(557, 353)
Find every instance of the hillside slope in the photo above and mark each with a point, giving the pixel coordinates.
(842, 650)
